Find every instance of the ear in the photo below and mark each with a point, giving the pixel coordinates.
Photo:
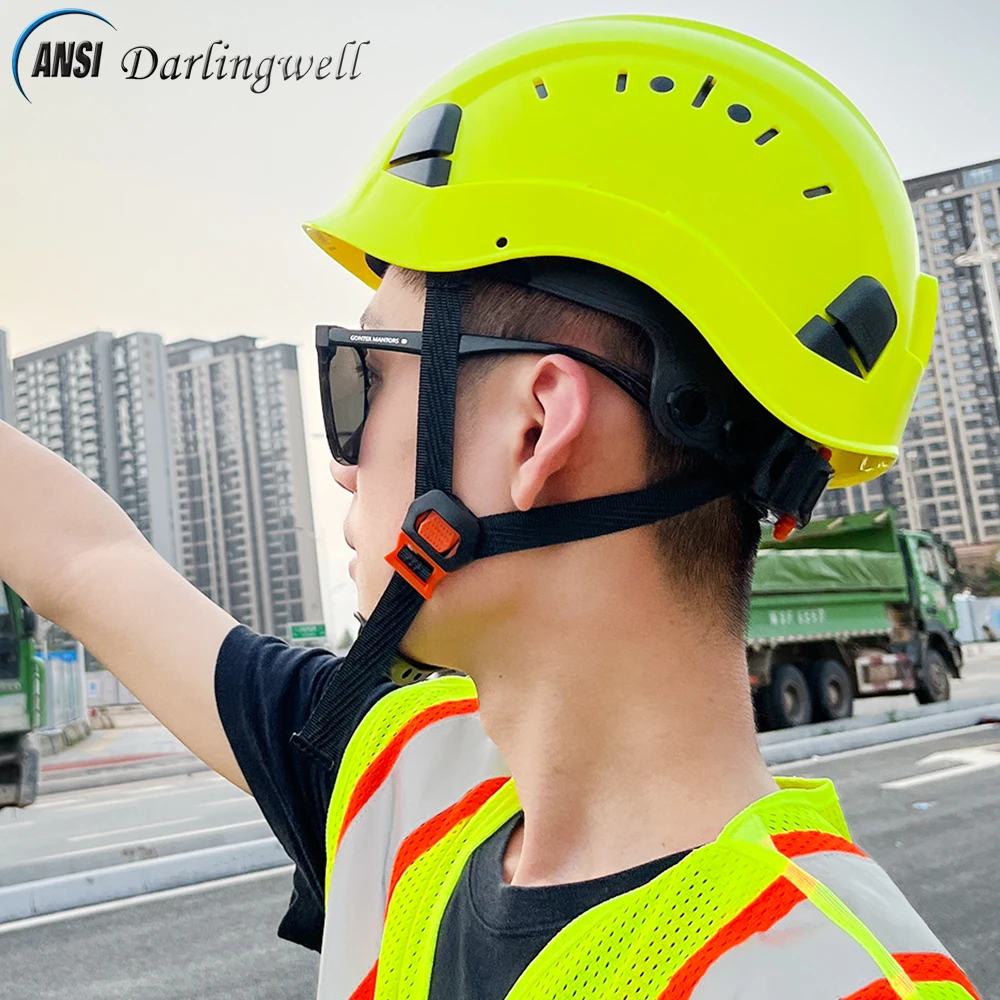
(557, 414)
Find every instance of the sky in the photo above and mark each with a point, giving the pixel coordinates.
(175, 206)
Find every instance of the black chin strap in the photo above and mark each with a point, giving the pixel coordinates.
(440, 534)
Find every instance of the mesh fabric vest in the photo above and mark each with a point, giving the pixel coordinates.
(782, 905)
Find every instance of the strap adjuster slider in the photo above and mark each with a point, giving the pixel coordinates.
(439, 535)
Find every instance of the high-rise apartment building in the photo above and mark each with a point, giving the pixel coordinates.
(948, 476)
(101, 403)
(245, 513)
(6, 381)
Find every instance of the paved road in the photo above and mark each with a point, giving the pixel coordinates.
(215, 944)
(940, 840)
(76, 831)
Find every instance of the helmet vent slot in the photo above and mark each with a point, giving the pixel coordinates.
(702, 95)
(621, 83)
(739, 113)
(766, 136)
(540, 88)
(661, 84)
(817, 192)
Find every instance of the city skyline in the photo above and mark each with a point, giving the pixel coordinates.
(201, 443)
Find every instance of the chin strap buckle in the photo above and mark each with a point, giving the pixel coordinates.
(439, 535)
(804, 473)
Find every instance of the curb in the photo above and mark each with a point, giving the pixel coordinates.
(890, 717)
(53, 741)
(91, 859)
(67, 892)
(855, 739)
(120, 775)
(99, 763)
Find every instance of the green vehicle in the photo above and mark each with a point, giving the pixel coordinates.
(850, 607)
(20, 707)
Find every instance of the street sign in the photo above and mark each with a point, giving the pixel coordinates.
(308, 630)
(66, 655)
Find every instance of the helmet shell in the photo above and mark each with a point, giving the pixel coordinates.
(681, 154)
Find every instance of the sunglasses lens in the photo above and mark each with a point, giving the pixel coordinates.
(347, 410)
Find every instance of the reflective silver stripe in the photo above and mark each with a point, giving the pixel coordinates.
(802, 955)
(435, 769)
(865, 889)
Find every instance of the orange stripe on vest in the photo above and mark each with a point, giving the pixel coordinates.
(426, 836)
(379, 769)
(775, 902)
(366, 991)
(799, 842)
(921, 967)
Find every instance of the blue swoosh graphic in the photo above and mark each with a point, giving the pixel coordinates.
(34, 24)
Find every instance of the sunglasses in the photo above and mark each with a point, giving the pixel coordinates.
(345, 376)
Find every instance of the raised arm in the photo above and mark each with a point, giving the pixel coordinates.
(77, 558)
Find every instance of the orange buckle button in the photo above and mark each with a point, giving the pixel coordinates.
(437, 532)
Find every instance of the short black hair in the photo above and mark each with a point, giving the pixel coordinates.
(711, 549)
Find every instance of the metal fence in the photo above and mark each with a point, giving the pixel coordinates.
(978, 618)
(62, 687)
(103, 688)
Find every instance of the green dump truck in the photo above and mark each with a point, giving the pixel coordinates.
(850, 607)
(20, 701)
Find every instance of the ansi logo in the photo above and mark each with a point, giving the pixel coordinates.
(58, 58)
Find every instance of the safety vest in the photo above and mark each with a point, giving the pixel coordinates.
(781, 906)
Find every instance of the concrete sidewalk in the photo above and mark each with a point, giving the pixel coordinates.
(141, 749)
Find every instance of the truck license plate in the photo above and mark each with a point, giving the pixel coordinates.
(881, 673)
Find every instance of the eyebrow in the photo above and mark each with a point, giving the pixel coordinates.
(369, 319)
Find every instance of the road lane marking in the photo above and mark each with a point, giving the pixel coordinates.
(137, 843)
(243, 797)
(783, 768)
(133, 829)
(52, 805)
(149, 897)
(969, 760)
(133, 798)
(185, 833)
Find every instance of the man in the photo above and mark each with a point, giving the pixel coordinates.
(640, 283)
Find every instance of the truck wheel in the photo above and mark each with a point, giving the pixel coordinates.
(832, 691)
(786, 701)
(29, 755)
(934, 684)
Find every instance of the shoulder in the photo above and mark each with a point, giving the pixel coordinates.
(421, 748)
(426, 714)
(834, 925)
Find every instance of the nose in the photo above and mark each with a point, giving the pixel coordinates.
(345, 476)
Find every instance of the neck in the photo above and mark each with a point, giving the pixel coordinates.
(628, 729)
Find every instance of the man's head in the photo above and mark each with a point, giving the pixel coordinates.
(533, 430)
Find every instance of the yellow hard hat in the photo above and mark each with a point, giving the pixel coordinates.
(725, 175)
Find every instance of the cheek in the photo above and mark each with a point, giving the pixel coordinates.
(482, 477)
(384, 492)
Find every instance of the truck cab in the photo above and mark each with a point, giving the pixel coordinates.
(931, 613)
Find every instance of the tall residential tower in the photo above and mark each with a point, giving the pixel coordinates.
(948, 476)
(247, 538)
(7, 409)
(101, 403)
